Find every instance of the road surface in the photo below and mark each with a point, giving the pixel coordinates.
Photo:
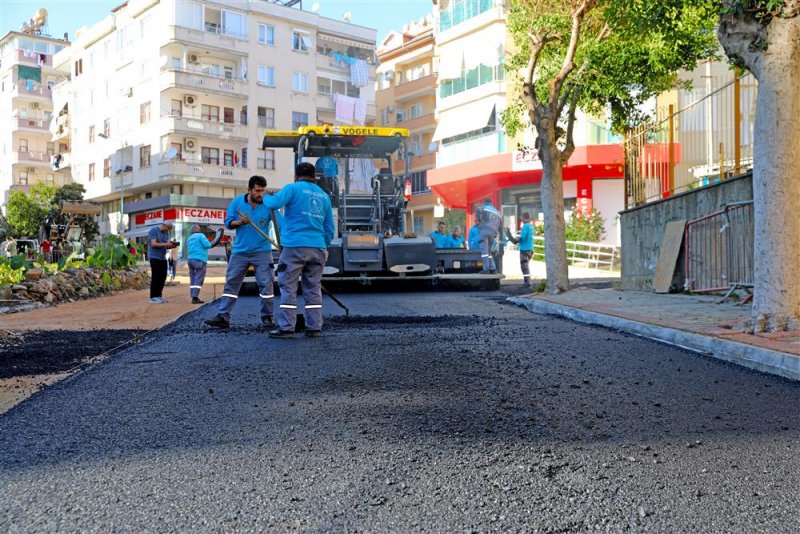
(426, 412)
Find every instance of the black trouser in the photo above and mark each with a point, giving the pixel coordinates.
(158, 277)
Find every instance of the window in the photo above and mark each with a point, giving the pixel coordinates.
(266, 117)
(23, 178)
(478, 76)
(415, 111)
(49, 178)
(23, 145)
(63, 147)
(244, 157)
(266, 34)
(144, 156)
(91, 172)
(106, 167)
(107, 127)
(300, 82)
(178, 151)
(400, 115)
(301, 41)
(210, 155)
(177, 108)
(144, 113)
(299, 119)
(227, 115)
(210, 113)
(79, 67)
(234, 24)
(419, 182)
(416, 147)
(266, 75)
(460, 11)
(267, 160)
(419, 225)
(51, 149)
(227, 158)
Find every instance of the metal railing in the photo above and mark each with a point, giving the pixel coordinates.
(718, 250)
(582, 254)
(706, 141)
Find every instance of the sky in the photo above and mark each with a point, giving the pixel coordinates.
(69, 15)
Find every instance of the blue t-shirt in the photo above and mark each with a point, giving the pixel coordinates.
(455, 242)
(247, 237)
(160, 237)
(328, 165)
(198, 245)
(439, 239)
(307, 215)
(526, 237)
(474, 238)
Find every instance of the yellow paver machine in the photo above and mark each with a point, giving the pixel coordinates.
(357, 166)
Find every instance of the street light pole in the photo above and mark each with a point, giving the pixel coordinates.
(122, 145)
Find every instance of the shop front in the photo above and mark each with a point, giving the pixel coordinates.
(593, 178)
(182, 217)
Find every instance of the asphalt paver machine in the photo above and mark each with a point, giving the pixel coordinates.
(357, 166)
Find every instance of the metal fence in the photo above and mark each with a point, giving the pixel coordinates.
(584, 254)
(704, 138)
(719, 250)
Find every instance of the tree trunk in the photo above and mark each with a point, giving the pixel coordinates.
(555, 247)
(776, 190)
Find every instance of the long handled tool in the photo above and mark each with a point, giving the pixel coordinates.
(325, 291)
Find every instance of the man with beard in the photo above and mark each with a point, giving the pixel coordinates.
(245, 213)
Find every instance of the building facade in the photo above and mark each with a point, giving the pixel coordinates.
(27, 81)
(168, 102)
(406, 97)
(475, 158)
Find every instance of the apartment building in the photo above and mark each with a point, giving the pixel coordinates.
(27, 79)
(475, 158)
(406, 98)
(168, 102)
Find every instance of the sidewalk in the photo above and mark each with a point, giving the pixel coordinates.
(698, 323)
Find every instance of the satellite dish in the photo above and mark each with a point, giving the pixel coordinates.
(347, 16)
(41, 14)
(315, 7)
(170, 153)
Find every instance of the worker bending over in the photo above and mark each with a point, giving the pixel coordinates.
(198, 245)
(525, 242)
(306, 232)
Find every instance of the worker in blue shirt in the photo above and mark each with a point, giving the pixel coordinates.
(245, 212)
(197, 246)
(439, 235)
(306, 231)
(525, 242)
(490, 222)
(473, 238)
(456, 240)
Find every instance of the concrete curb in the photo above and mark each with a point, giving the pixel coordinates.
(760, 359)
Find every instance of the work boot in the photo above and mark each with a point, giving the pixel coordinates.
(313, 333)
(267, 321)
(196, 300)
(218, 322)
(281, 334)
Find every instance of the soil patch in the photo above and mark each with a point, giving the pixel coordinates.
(53, 351)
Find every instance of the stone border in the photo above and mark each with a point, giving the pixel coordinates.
(752, 357)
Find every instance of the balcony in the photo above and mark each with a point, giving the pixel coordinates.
(207, 128)
(206, 172)
(423, 122)
(33, 90)
(325, 104)
(36, 125)
(415, 88)
(35, 59)
(194, 80)
(328, 63)
(23, 157)
(212, 38)
(420, 162)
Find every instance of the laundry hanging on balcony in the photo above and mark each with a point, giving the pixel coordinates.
(30, 73)
(359, 73)
(345, 108)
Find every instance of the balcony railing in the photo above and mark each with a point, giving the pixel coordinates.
(33, 89)
(428, 120)
(223, 41)
(24, 156)
(415, 87)
(204, 127)
(265, 122)
(202, 81)
(197, 168)
(325, 103)
(34, 58)
(33, 124)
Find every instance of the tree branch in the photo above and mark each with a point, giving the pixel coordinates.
(538, 42)
(568, 65)
(569, 141)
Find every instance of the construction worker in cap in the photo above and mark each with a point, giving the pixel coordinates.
(306, 232)
(198, 245)
(245, 213)
(490, 222)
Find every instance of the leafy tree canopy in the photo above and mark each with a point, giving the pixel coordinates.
(25, 212)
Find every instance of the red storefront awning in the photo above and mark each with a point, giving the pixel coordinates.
(461, 185)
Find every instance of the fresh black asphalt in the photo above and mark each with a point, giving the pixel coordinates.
(432, 412)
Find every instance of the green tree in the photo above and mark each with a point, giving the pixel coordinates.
(762, 36)
(600, 56)
(26, 212)
(72, 192)
(453, 218)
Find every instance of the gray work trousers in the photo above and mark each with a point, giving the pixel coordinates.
(525, 264)
(197, 275)
(294, 262)
(237, 269)
(487, 237)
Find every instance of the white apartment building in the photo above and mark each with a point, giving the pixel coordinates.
(27, 78)
(168, 101)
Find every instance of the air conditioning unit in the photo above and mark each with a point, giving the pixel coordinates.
(193, 58)
(388, 75)
(36, 105)
(190, 144)
(190, 100)
(390, 108)
(32, 170)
